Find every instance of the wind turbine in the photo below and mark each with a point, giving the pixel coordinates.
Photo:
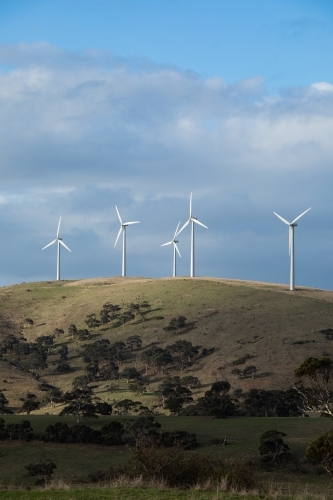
(291, 245)
(122, 229)
(175, 248)
(60, 242)
(193, 220)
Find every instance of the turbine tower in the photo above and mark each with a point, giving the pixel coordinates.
(292, 225)
(175, 249)
(122, 229)
(60, 242)
(193, 221)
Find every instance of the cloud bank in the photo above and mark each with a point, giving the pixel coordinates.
(81, 132)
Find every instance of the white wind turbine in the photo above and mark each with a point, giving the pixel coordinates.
(175, 249)
(122, 229)
(291, 245)
(193, 220)
(60, 242)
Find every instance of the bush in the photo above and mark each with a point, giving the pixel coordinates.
(239, 476)
(175, 467)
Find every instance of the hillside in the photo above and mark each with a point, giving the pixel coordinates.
(264, 324)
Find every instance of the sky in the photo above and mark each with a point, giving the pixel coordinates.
(138, 104)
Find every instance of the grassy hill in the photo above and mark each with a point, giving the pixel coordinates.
(262, 324)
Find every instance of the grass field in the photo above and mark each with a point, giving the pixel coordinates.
(75, 462)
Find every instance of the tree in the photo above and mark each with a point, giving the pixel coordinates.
(321, 451)
(134, 342)
(3, 404)
(113, 433)
(173, 394)
(92, 321)
(190, 381)
(271, 444)
(79, 404)
(53, 395)
(109, 312)
(249, 371)
(130, 374)
(103, 408)
(31, 403)
(143, 430)
(176, 324)
(314, 385)
(43, 469)
(72, 330)
(185, 352)
(63, 351)
(217, 401)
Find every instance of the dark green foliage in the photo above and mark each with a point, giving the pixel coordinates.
(216, 402)
(63, 351)
(129, 407)
(242, 360)
(45, 340)
(79, 404)
(31, 403)
(157, 357)
(63, 367)
(83, 334)
(190, 381)
(138, 386)
(265, 403)
(183, 352)
(130, 374)
(72, 330)
(134, 342)
(173, 394)
(178, 439)
(176, 324)
(43, 470)
(113, 433)
(92, 321)
(103, 408)
(109, 312)
(3, 404)
(144, 430)
(173, 466)
(271, 444)
(321, 451)
(239, 475)
(21, 431)
(249, 371)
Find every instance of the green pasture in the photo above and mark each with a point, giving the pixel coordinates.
(75, 461)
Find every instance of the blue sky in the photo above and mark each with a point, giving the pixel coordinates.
(138, 103)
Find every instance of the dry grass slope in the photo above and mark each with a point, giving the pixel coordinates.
(278, 329)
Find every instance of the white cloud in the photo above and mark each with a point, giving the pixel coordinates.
(82, 132)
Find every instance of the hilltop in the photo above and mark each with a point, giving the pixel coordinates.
(240, 322)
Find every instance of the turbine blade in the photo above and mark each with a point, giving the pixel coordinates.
(119, 215)
(176, 232)
(50, 244)
(176, 248)
(200, 223)
(283, 220)
(58, 227)
(63, 244)
(191, 205)
(169, 243)
(120, 230)
(186, 224)
(300, 216)
(129, 223)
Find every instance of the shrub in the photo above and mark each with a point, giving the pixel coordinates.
(321, 451)
(175, 467)
(239, 475)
